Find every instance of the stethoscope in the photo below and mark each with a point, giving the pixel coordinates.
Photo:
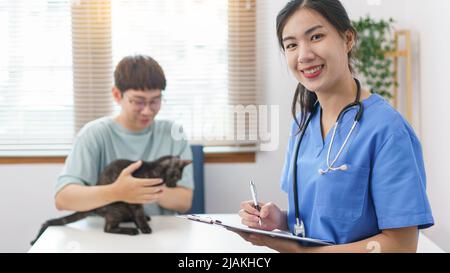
(299, 229)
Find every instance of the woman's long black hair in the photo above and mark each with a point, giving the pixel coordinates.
(334, 12)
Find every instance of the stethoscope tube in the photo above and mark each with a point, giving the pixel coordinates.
(299, 229)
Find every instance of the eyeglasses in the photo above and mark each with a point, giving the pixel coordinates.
(139, 104)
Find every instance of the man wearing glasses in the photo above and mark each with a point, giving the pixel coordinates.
(135, 135)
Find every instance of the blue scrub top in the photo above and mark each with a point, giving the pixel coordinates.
(383, 188)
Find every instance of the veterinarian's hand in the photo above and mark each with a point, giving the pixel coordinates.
(271, 216)
(136, 190)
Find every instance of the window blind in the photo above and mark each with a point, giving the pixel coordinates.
(207, 51)
(35, 76)
(57, 62)
(92, 60)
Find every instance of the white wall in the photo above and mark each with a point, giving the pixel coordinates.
(26, 190)
(427, 21)
(26, 201)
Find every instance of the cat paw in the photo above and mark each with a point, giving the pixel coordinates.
(133, 232)
(146, 230)
(130, 231)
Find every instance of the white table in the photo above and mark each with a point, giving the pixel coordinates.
(170, 234)
(425, 245)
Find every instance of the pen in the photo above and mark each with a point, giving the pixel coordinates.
(255, 199)
(197, 218)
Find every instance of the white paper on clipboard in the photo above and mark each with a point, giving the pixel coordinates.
(240, 227)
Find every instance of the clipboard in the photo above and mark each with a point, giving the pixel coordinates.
(276, 233)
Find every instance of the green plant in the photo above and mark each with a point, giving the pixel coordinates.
(374, 41)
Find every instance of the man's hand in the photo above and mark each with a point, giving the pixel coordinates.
(136, 190)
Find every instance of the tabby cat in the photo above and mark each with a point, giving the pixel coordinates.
(168, 168)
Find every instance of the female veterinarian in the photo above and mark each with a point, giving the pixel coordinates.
(354, 170)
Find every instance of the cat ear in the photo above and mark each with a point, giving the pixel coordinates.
(165, 159)
(184, 163)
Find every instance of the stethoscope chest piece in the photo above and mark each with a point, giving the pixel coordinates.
(299, 228)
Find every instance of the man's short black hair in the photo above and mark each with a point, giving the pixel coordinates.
(139, 72)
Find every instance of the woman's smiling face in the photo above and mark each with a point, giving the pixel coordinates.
(316, 53)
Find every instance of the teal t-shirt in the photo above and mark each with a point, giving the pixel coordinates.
(103, 140)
